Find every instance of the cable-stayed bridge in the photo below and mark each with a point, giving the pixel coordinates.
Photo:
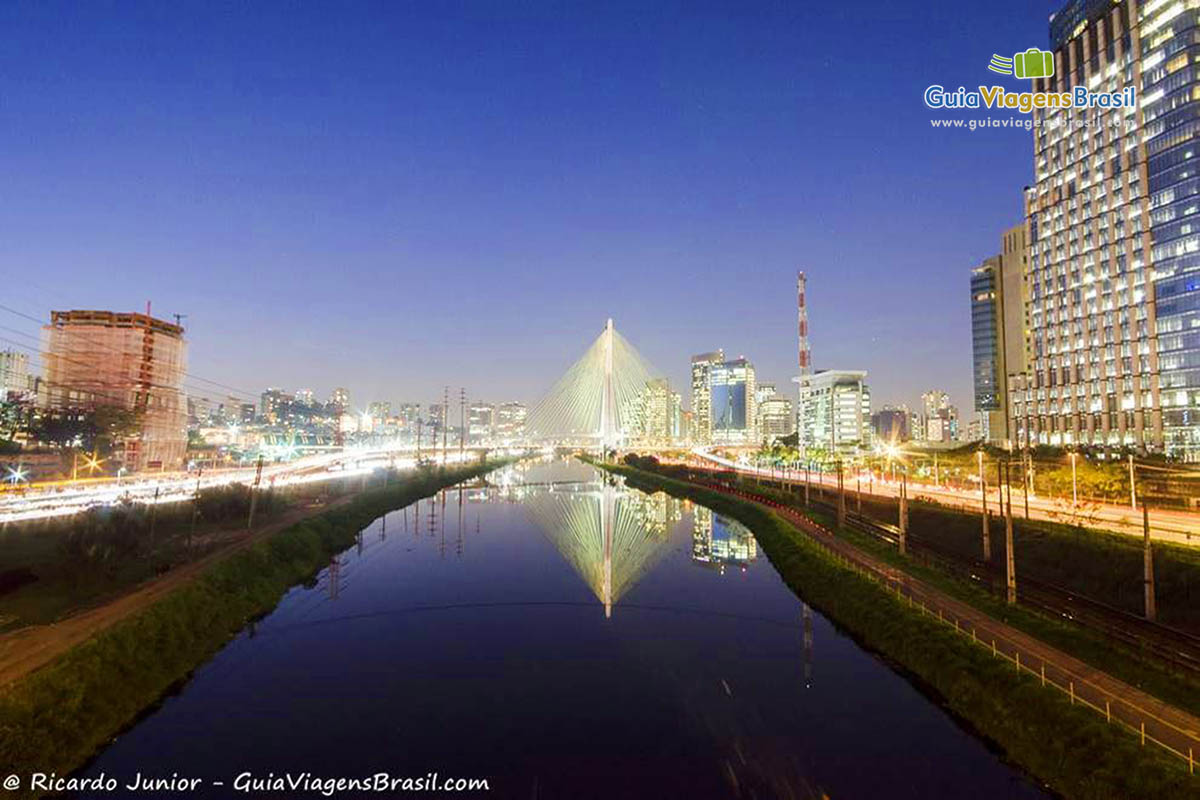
(610, 536)
(598, 399)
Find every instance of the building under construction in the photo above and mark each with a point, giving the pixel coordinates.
(123, 360)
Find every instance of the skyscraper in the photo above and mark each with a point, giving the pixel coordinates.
(998, 330)
(702, 394)
(731, 403)
(1114, 267)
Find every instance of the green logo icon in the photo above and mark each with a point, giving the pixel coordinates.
(1033, 63)
(1001, 64)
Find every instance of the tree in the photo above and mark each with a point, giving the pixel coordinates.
(94, 430)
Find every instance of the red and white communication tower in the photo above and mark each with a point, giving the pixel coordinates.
(802, 327)
(805, 356)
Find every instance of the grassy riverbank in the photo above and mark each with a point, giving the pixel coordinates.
(1142, 669)
(1068, 747)
(57, 717)
(56, 566)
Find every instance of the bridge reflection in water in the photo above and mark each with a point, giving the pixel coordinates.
(611, 537)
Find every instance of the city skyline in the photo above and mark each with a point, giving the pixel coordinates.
(303, 242)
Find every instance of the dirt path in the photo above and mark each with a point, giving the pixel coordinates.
(27, 649)
(1144, 715)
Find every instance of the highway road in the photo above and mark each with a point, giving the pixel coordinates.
(59, 498)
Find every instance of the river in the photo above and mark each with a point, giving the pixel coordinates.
(560, 636)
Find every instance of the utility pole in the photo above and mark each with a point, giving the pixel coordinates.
(1010, 571)
(1074, 483)
(858, 494)
(153, 515)
(195, 508)
(1027, 478)
(254, 493)
(419, 421)
(1132, 489)
(987, 537)
(806, 484)
(841, 511)
(937, 481)
(462, 425)
(1148, 563)
(903, 511)
(445, 419)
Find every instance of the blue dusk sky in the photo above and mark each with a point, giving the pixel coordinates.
(396, 196)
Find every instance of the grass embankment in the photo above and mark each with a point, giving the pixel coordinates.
(55, 566)
(57, 717)
(1144, 670)
(1068, 747)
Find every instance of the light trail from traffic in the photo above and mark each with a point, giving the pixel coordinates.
(62, 498)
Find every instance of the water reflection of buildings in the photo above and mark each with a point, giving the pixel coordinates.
(612, 537)
(717, 541)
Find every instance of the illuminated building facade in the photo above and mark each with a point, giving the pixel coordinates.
(731, 403)
(272, 405)
(481, 422)
(836, 413)
(133, 362)
(998, 340)
(14, 373)
(776, 417)
(1114, 245)
(510, 421)
(702, 365)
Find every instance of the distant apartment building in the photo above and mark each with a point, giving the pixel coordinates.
(939, 420)
(731, 403)
(510, 422)
(14, 374)
(272, 405)
(1114, 238)
(340, 398)
(133, 362)
(481, 422)
(379, 411)
(998, 324)
(701, 432)
(836, 412)
(305, 397)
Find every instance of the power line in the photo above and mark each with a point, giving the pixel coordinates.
(98, 343)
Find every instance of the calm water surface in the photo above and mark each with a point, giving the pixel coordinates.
(561, 636)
